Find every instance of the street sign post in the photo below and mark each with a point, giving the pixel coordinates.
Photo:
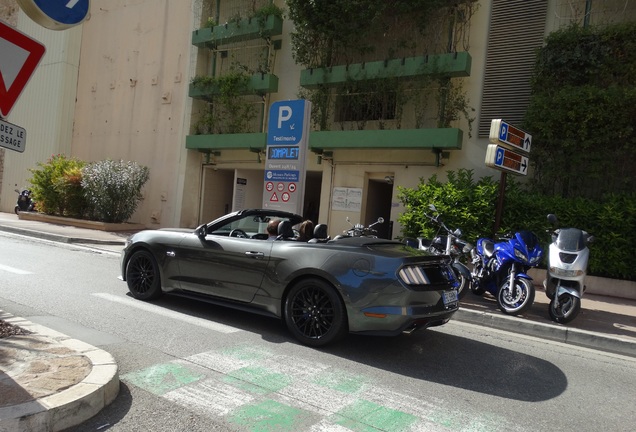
(19, 56)
(56, 14)
(287, 142)
(508, 152)
(12, 137)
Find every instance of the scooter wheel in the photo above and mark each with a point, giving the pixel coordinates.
(476, 289)
(16, 209)
(568, 308)
(517, 300)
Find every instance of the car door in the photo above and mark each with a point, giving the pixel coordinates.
(223, 266)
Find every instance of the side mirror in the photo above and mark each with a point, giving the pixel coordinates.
(202, 231)
(380, 219)
(552, 219)
(590, 239)
(432, 207)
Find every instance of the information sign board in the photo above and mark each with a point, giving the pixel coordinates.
(12, 137)
(287, 142)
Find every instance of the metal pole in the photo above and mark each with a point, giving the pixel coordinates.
(500, 202)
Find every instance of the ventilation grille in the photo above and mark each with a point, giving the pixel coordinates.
(516, 32)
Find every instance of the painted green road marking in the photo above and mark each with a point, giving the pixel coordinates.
(262, 377)
(340, 381)
(162, 378)
(272, 416)
(246, 353)
(363, 416)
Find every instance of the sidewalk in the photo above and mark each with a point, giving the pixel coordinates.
(90, 379)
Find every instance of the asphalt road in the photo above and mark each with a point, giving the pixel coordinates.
(186, 366)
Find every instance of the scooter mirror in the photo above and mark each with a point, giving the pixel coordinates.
(380, 220)
(590, 239)
(432, 207)
(552, 219)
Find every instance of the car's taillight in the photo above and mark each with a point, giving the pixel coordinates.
(414, 275)
(437, 274)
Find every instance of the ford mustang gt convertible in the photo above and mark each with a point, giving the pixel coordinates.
(321, 289)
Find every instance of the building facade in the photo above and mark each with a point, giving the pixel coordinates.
(186, 91)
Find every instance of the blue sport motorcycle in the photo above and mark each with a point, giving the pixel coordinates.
(501, 269)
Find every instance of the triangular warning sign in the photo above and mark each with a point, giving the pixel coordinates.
(19, 56)
(274, 197)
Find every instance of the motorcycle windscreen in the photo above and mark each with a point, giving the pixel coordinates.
(570, 240)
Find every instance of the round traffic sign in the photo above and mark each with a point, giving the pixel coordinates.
(56, 14)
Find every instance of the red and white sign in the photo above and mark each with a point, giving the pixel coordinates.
(292, 187)
(19, 56)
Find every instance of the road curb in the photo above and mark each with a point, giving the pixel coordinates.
(70, 406)
(555, 332)
(59, 238)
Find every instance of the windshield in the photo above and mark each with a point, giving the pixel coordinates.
(570, 240)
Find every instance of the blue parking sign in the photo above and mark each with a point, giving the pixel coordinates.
(286, 119)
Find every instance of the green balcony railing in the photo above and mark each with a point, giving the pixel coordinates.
(450, 65)
(258, 84)
(244, 29)
(319, 141)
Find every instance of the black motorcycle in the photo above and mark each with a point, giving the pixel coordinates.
(24, 203)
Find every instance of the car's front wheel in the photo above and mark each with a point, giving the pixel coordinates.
(315, 313)
(142, 276)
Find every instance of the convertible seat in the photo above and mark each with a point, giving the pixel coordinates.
(285, 231)
(320, 234)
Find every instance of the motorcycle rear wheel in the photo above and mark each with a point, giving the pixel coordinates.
(518, 300)
(16, 209)
(568, 308)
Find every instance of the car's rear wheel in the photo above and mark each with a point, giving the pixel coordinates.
(142, 276)
(315, 313)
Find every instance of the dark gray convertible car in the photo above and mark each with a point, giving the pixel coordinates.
(321, 289)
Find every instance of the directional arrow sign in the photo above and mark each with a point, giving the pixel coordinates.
(56, 14)
(509, 136)
(19, 56)
(504, 159)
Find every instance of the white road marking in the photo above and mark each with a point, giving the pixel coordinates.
(221, 328)
(212, 397)
(14, 270)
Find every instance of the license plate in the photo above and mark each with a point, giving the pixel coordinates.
(449, 297)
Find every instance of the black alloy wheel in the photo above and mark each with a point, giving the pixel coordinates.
(315, 313)
(142, 276)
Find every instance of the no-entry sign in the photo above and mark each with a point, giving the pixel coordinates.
(19, 56)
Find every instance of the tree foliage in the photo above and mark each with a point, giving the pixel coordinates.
(583, 111)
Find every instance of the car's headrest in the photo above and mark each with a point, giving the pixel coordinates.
(320, 231)
(285, 230)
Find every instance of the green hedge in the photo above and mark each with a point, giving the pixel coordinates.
(470, 204)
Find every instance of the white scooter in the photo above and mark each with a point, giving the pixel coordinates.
(565, 282)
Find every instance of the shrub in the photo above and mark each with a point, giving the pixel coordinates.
(113, 189)
(57, 186)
